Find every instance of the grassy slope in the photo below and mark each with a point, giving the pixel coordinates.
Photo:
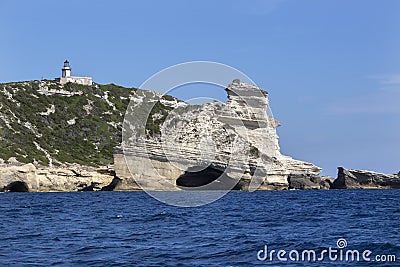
(88, 141)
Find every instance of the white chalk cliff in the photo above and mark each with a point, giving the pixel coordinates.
(28, 177)
(235, 141)
(232, 145)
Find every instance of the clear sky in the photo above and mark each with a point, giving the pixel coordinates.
(332, 68)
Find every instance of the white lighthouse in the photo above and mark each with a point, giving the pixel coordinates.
(66, 70)
(66, 76)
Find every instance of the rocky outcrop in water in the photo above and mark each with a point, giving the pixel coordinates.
(305, 181)
(361, 179)
(237, 138)
(29, 178)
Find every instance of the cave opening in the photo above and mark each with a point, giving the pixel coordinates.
(209, 178)
(17, 186)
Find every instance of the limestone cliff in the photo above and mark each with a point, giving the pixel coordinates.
(237, 139)
(50, 134)
(29, 178)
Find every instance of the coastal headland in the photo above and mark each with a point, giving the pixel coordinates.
(68, 137)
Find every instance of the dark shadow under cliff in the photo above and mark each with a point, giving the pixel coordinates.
(209, 178)
(17, 186)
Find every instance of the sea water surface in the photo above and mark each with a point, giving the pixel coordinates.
(133, 229)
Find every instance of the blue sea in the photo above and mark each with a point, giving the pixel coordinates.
(133, 229)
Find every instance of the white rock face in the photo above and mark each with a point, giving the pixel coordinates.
(238, 137)
(45, 179)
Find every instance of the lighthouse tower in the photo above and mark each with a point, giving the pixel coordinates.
(66, 70)
(66, 76)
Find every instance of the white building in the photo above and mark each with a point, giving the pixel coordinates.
(67, 78)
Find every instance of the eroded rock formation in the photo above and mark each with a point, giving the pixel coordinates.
(237, 138)
(29, 178)
(306, 181)
(361, 179)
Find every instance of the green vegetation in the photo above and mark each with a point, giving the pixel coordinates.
(153, 125)
(80, 124)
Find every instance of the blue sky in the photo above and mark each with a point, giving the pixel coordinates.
(332, 68)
